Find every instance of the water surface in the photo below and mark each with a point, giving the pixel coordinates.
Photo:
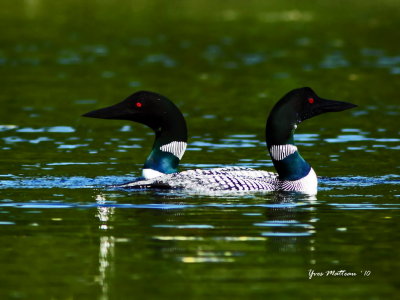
(66, 235)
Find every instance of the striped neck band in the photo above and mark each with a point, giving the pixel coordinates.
(176, 148)
(280, 152)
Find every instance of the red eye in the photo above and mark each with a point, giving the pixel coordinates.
(311, 100)
(138, 104)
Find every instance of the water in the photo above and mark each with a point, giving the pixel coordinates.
(66, 235)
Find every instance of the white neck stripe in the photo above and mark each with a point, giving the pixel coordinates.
(280, 152)
(176, 148)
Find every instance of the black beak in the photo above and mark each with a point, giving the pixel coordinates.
(322, 106)
(118, 112)
(333, 105)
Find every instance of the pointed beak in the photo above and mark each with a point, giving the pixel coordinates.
(323, 106)
(117, 111)
(333, 105)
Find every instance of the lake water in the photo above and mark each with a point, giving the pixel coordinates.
(64, 235)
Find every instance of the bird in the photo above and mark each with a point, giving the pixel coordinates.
(164, 118)
(293, 173)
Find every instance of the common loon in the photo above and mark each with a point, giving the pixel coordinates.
(161, 115)
(294, 173)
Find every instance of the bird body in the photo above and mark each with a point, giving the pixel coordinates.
(160, 168)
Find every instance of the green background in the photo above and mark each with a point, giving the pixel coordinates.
(224, 63)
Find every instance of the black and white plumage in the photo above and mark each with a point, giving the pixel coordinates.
(227, 179)
(217, 179)
(160, 169)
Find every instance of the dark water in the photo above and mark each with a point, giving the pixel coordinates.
(63, 235)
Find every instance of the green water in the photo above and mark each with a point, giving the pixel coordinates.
(64, 236)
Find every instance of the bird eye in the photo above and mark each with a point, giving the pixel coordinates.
(138, 104)
(311, 100)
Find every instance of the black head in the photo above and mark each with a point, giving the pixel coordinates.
(148, 108)
(296, 106)
(303, 103)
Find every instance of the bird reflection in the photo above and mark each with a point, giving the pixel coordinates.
(290, 222)
(107, 245)
(288, 226)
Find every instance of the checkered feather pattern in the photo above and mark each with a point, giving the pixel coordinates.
(218, 179)
(221, 179)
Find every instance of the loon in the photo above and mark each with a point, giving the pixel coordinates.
(293, 172)
(160, 114)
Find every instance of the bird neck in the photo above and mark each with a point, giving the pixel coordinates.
(287, 160)
(168, 148)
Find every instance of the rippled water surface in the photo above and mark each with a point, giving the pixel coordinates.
(65, 234)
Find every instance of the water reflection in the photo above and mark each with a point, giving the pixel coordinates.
(290, 228)
(219, 232)
(107, 245)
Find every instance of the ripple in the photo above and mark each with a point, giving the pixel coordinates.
(366, 206)
(190, 226)
(16, 139)
(29, 129)
(160, 58)
(65, 146)
(348, 138)
(286, 223)
(287, 234)
(193, 259)
(360, 181)
(6, 223)
(75, 163)
(100, 50)
(226, 143)
(250, 59)
(334, 61)
(53, 205)
(61, 129)
(62, 182)
(306, 137)
(7, 127)
(285, 16)
(58, 129)
(69, 58)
